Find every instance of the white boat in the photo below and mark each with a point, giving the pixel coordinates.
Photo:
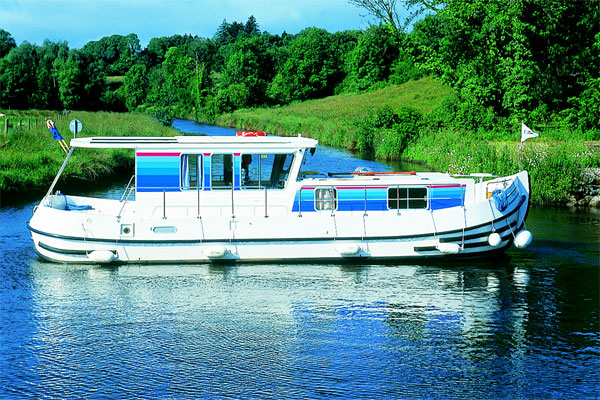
(200, 199)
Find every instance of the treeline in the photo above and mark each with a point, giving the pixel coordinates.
(187, 75)
(507, 60)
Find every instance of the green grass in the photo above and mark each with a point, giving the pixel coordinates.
(555, 160)
(334, 120)
(117, 79)
(29, 158)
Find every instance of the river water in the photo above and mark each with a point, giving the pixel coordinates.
(525, 325)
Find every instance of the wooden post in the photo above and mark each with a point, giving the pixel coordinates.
(5, 126)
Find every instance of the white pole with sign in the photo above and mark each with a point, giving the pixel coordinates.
(75, 126)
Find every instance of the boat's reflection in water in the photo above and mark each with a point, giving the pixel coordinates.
(356, 330)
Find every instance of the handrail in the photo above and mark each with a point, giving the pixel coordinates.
(127, 188)
(402, 200)
(60, 171)
(124, 202)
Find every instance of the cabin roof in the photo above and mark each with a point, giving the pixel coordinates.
(232, 143)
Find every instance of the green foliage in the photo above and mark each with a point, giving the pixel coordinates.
(586, 111)
(248, 68)
(29, 158)
(7, 42)
(69, 83)
(388, 132)
(135, 87)
(114, 55)
(509, 56)
(370, 62)
(311, 69)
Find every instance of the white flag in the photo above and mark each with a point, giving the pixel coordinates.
(527, 133)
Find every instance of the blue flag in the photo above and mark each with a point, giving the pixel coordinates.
(52, 128)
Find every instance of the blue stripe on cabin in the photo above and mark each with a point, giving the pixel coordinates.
(156, 183)
(446, 197)
(206, 169)
(348, 199)
(308, 201)
(237, 177)
(353, 199)
(156, 173)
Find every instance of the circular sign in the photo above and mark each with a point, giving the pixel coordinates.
(75, 126)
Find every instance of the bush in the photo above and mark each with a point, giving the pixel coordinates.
(387, 133)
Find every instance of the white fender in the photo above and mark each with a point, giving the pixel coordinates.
(215, 252)
(448, 248)
(494, 239)
(523, 239)
(349, 249)
(102, 256)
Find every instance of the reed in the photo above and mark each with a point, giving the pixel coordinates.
(29, 158)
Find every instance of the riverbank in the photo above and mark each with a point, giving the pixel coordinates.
(411, 122)
(29, 158)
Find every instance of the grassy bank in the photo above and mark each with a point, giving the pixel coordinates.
(415, 121)
(334, 120)
(29, 158)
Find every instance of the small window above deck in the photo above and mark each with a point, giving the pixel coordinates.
(191, 171)
(402, 198)
(260, 171)
(326, 198)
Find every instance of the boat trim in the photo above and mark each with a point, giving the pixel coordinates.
(422, 236)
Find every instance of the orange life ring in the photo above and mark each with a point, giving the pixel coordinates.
(251, 133)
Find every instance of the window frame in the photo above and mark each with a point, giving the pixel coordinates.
(267, 183)
(199, 171)
(324, 200)
(212, 172)
(407, 199)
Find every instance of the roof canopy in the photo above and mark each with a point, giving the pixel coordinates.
(197, 143)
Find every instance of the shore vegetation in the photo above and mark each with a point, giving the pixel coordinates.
(30, 158)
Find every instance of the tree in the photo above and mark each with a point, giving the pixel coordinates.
(157, 48)
(178, 69)
(18, 76)
(135, 86)
(312, 68)
(70, 83)
(249, 65)
(516, 56)
(49, 55)
(7, 42)
(370, 62)
(387, 11)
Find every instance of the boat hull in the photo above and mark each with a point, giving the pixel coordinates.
(462, 231)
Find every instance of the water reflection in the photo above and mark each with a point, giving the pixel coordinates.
(305, 330)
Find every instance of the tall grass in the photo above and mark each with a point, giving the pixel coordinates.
(29, 158)
(555, 167)
(335, 120)
(452, 137)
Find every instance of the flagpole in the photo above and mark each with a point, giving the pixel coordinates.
(520, 156)
(521, 151)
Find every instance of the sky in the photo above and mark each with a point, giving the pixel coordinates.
(81, 21)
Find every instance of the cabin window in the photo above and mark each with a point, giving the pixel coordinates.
(191, 171)
(407, 197)
(326, 199)
(221, 171)
(259, 171)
